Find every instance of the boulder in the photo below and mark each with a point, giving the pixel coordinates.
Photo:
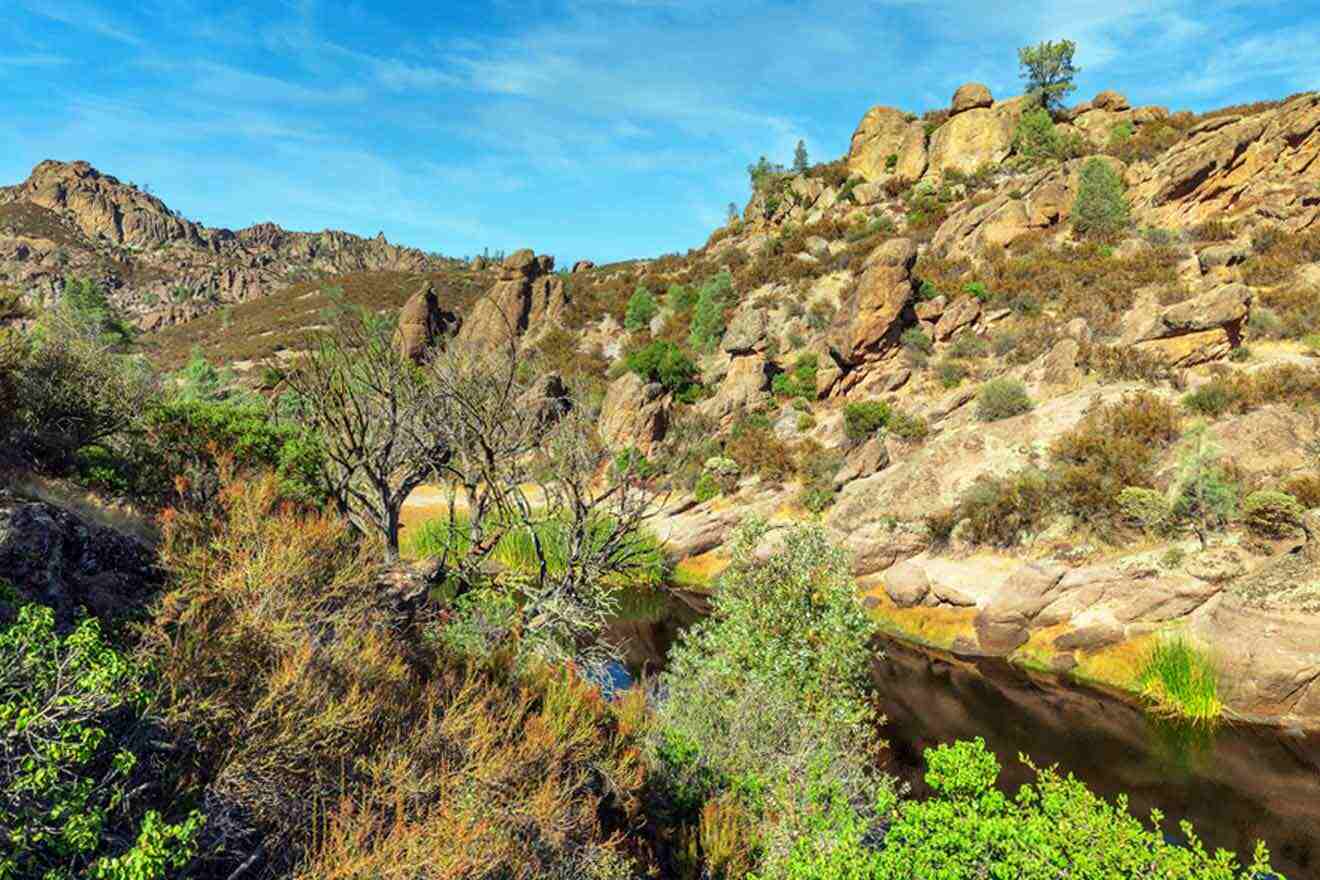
(1039, 203)
(1195, 331)
(971, 96)
(1221, 256)
(634, 414)
(871, 319)
(882, 133)
(53, 557)
(746, 332)
(907, 584)
(973, 138)
(423, 324)
(863, 461)
(1110, 100)
(962, 312)
(583, 266)
(742, 388)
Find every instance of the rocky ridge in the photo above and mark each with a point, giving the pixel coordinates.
(160, 268)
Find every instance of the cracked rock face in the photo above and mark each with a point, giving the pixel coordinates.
(53, 557)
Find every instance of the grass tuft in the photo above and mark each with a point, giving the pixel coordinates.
(1180, 681)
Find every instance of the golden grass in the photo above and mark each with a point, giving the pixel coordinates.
(935, 627)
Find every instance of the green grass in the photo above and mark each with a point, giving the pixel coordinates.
(1180, 681)
(516, 551)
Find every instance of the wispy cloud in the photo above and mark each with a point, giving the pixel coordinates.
(84, 16)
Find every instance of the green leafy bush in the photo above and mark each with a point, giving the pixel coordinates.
(1036, 140)
(1101, 207)
(642, 307)
(769, 696)
(80, 768)
(707, 488)
(1002, 399)
(664, 362)
(969, 828)
(713, 297)
(916, 339)
(862, 420)
(907, 426)
(1272, 514)
(1144, 508)
(800, 382)
(950, 373)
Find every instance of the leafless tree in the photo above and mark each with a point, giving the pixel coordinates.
(525, 457)
(366, 402)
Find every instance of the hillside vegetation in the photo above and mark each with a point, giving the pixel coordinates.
(1011, 379)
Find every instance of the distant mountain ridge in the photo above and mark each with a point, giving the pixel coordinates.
(68, 218)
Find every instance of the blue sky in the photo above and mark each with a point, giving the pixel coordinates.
(583, 128)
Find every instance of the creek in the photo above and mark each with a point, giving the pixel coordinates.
(1236, 784)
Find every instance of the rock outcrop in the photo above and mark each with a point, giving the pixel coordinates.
(423, 324)
(887, 144)
(871, 319)
(1198, 330)
(526, 300)
(634, 414)
(56, 558)
(1265, 165)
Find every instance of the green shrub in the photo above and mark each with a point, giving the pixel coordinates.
(1036, 140)
(680, 298)
(642, 307)
(1203, 493)
(1101, 207)
(969, 346)
(1050, 827)
(770, 694)
(907, 426)
(800, 382)
(1002, 510)
(664, 362)
(950, 373)
(1144, 508)
(1002, 399)
(1211, 399)
(713, 298)
(862, 420)
(916, 339)
(707, 488)
(81, 766)
(632, 463)
(1272, 514)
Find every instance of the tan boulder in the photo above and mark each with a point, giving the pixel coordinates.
(1039, 203)
(634, 414)
(962, 312)
(583, 266)
(1196, 331)
(423, 324)
(742, 387)
(1110, 100)
(973, 138)
(971, 96)
(871, 319)
(882, 133)
(526, 297)
(863, 461)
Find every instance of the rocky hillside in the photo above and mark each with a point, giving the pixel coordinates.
(68, 218)
(996, 405)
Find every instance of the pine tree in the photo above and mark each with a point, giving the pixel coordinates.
(800, 157)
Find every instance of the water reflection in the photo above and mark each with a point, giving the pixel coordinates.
(1240, 784)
